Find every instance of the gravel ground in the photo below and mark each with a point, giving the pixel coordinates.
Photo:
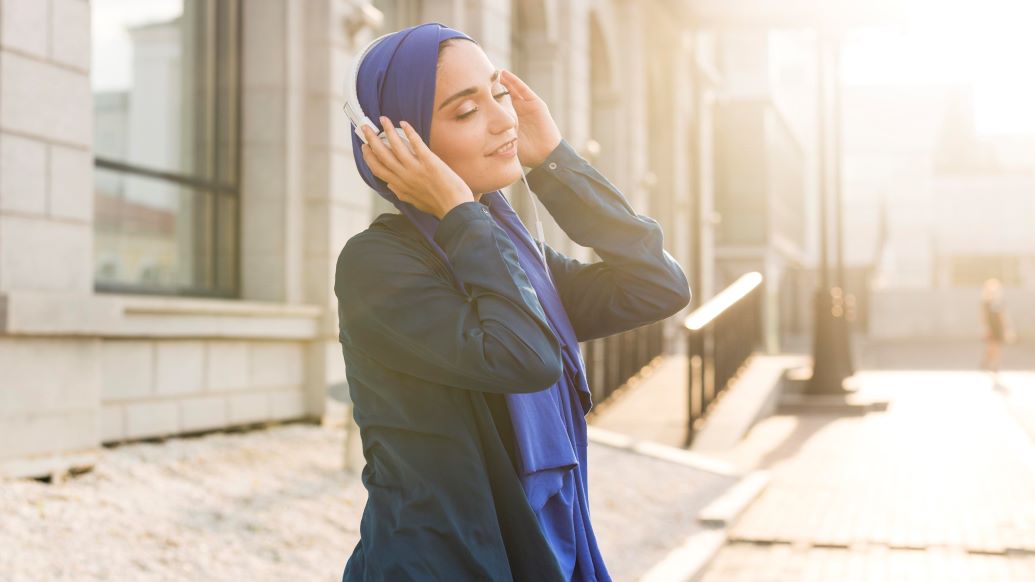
(274, 504)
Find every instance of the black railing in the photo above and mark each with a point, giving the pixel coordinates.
(721, 335)
(611, 361)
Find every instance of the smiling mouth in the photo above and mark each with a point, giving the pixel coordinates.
(505, 148)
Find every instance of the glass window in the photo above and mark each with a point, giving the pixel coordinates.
(165, 79)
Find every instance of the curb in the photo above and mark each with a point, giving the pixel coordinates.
(668, 453)
(688, 562)
(726, 508)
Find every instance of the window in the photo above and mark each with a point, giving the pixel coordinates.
(166, 78)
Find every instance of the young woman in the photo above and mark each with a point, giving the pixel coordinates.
(997, 331)
(461, 339)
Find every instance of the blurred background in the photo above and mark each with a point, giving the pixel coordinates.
(849, 186)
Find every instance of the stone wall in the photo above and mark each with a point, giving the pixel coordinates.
(80, 368)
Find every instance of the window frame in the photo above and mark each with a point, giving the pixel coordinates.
(225, 64)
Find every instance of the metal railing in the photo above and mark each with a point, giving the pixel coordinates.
(721, 335)
(611, 361)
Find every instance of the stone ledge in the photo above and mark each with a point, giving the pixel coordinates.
(661, 451)
(753, 395)
(687, 562)
(725, 509)
(53, 465)
(112, 315)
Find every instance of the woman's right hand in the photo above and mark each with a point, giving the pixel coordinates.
(420, 177)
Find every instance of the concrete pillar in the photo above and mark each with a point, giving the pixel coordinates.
(550, 52)
(338, 204)
(452, 13)
(49, 387)
(632, 85)
(773, 271)
(704, 97)
(667, 76)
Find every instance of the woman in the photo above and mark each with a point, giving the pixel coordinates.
(461, 342)
(996, 329)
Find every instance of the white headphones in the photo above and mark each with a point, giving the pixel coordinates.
(355, 113)
(354, 110)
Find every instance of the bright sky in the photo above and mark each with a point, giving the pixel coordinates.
(110, 44)
(988, 42)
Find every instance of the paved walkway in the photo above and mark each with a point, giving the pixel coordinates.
(939, 487)
(274, 504)
(652, 407)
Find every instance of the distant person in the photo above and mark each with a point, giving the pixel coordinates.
(995, 323)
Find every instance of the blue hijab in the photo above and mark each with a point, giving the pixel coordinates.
(397, 80)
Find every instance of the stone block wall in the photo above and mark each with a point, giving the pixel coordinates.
(79, 368)
(49, 386)
(157, 388)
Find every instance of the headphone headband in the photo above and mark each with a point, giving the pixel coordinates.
(352, 107)
(355, 113)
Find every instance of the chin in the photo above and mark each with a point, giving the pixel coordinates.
(501, 177)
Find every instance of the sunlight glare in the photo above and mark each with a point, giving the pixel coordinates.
(987, 43)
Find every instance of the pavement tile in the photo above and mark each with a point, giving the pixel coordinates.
(938, 487)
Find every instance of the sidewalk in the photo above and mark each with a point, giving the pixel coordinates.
(275, 504)
(941, 486)
(1018, 389)
(652, 407)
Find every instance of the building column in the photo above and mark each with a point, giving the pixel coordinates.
(49, 385)
(552, 54)
(668, 80)
(337, 203)
(703, 162)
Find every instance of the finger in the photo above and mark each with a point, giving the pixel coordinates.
(369, 155)
(376, 166)
(384, 155)
(402, 153)
(516, 85)
(420, 149)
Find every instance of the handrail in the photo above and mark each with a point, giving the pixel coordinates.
(613, 360)
(721, 335)
(707, 313)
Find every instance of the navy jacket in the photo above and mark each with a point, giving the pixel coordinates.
(428, 367)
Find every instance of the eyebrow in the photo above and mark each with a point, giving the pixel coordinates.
(468, 91)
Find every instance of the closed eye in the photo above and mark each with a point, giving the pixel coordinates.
(498, 97)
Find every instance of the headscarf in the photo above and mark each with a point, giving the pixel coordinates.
(397, 79)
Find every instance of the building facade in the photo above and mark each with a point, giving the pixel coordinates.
(933, 209)
(176, 181)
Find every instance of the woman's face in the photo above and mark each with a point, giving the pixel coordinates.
(467, 129)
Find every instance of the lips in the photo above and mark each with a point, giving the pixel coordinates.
(504, 148)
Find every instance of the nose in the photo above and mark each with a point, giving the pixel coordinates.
(503, 116)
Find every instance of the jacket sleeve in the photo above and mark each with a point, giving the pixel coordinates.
(637, 282)
(404, 311)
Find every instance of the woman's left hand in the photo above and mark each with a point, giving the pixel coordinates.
(538, 134)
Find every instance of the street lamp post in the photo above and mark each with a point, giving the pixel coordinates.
(831, 340)
(831, 349)
(847, 299)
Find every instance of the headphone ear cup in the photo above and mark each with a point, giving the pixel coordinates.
(402, 135)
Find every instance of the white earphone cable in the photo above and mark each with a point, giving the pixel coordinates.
(538, 226)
